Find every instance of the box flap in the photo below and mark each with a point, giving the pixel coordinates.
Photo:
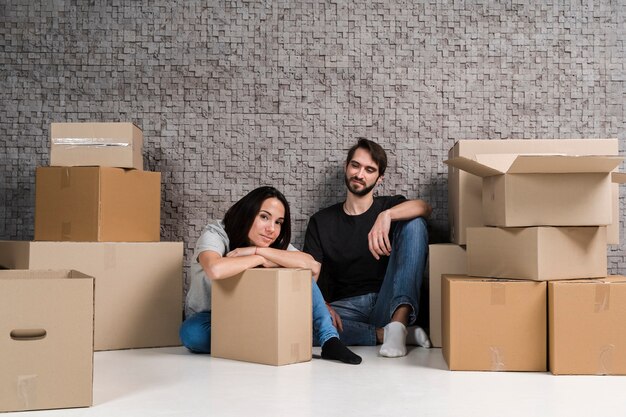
(485, 165)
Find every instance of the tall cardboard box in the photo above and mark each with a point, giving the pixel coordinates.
(443, 258)
(97, 204)
(537, 253)
(139, 286)
(543, 190)
(587, 332)
(46, 340)
(96, 144)
(263, 316)
(494, 325)
(465, 189)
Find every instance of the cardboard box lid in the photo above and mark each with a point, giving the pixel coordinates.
(486, 165)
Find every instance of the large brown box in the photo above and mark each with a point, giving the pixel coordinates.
(139, 286)
(543, 190)
(465, 189)
(96, 144)
(494, 325)
(443, 258)
(537, 253)
(46, 339)
(96, 204)
(263, 315)
(587, 332)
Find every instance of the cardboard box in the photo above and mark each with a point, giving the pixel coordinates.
(537, 253)
(139, 286)
(443, 258)
(97, 204)
(263, 316)
(96, 144)
(465, 189)
(586, 326)
(543, 190)
(46, 340)
(494, 325)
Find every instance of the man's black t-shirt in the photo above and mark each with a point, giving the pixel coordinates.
(339, 242)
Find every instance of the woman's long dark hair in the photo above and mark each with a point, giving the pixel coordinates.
(239, 218)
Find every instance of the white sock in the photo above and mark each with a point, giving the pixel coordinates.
(394, 340)
(417, 336)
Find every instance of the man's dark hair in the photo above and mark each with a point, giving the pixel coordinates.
(239, 218)
(375, 150)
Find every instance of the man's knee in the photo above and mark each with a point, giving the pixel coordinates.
(416, 228)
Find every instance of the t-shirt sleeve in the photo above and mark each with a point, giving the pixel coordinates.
(312, 244)
(213, 238)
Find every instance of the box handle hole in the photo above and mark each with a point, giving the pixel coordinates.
(28, 334)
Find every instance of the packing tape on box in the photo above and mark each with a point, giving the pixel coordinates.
(27, 390)
(497, 362)
(295, 284)
(605, 360)
(603, 294)
(100, 142)
(295, 352)
(66, 230)
(498, 294)
(110, 257)
(65, 178)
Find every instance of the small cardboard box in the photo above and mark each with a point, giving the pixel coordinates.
(586, 321)
(96, 144)
(443, 258)
(543, 190)
(494, 325)
(263, 316)
(537, 253)
(139, 286)
(96, 204)
(46, 339)
(465, 189)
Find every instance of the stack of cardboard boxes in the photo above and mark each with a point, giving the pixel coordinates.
(546, 207)
(97, 212)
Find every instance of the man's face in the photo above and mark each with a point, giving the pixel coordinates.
(361, 173)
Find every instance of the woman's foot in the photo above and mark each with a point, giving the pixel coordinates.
(334, 349)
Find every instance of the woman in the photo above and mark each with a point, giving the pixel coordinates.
(255, 232)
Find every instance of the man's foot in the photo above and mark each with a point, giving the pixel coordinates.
(394, 341)
(334, 349)
(417, 336)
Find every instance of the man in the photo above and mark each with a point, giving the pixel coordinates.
(373, 253)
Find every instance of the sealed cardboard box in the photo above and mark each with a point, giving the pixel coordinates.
(494, 325)
(139, 286)
(586, 326)
(96, 144)
(543, 190)
(46, 339)
(96, 204)
(263, 316)
(537, 253)
(443, 258)
(465, 189)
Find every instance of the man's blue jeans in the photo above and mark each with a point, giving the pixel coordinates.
(195, 332)
(361, 315)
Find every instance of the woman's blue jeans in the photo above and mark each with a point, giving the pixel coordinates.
(195, 332)
(361, 315)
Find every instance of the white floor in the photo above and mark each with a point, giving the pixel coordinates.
(173, 382)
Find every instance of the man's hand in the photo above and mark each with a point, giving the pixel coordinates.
(378, 237)
(247, 251)
(336, 318)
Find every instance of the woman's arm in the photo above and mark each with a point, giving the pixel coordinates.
(291, 259)
(218, 267)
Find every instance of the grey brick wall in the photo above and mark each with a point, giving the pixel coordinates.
(234, 94)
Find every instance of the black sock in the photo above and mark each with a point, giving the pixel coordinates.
(334, 349)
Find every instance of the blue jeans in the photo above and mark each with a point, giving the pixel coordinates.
(361, 315)
(195, 332)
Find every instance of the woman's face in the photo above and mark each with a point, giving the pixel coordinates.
(267, 223)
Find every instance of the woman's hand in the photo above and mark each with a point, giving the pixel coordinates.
(247, 251)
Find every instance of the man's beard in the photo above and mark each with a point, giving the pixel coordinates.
(361, 192)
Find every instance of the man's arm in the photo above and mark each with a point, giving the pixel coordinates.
(378, 237)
